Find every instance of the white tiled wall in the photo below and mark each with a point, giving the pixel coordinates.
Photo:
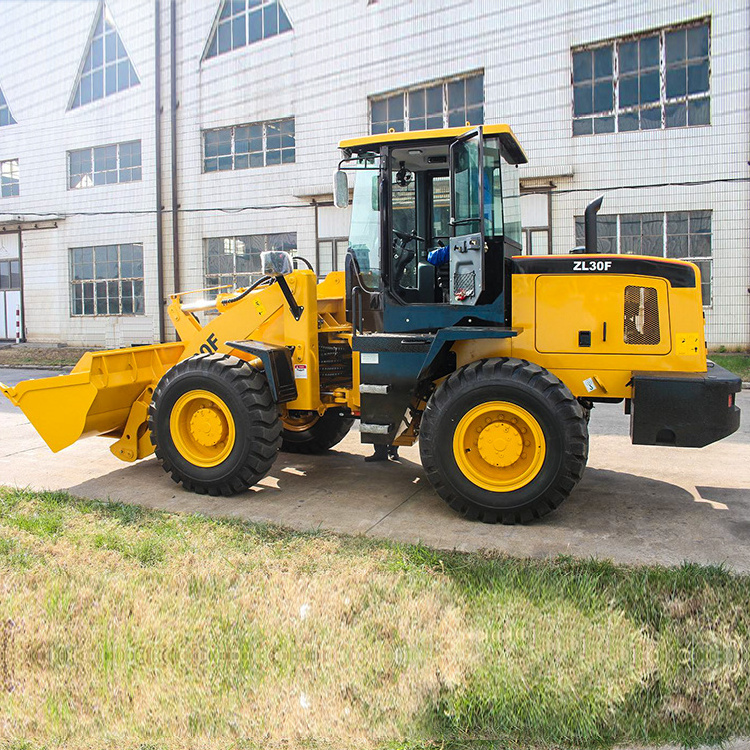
(339, 53)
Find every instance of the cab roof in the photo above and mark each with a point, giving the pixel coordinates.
(508, 139)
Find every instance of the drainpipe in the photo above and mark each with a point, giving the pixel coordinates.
(20, 273)
(317, 244)
(157, 129)
(173, 138)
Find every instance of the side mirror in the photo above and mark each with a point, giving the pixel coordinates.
(340, 189)
(276, 263)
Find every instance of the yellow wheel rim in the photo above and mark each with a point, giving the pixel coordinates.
(202, 428)
(499, 446)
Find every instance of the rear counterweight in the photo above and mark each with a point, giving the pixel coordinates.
(686, 409)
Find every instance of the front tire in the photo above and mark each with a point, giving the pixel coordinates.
(503, 440)
(214, 424)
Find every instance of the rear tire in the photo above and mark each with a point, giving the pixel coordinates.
(316, 435)
(503, 440)
(214, 424)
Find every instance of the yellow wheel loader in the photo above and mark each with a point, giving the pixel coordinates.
(439, 330)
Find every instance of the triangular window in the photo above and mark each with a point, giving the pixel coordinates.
(106, 68)
(6, 118)
(243, 22)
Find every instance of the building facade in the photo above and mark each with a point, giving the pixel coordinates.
(148, 146)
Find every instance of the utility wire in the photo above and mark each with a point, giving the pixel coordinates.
(50, 215)
(685, 183)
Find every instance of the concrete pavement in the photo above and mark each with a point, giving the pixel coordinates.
(635, 504)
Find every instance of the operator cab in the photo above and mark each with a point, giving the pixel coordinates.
(431, 232)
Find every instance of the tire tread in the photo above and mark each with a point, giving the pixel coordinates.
(566, 409)
(251, 387)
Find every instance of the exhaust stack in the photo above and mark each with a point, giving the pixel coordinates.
(590, 224)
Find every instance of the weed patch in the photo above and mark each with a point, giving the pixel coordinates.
(142, 629)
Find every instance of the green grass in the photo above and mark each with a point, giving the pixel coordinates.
(736, 362)
(26, 355)
(127, 628)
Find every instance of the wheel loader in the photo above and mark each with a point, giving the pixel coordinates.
(438, 331)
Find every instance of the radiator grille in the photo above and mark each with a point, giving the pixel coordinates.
(641, 315)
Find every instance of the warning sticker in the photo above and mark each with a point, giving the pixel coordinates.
(300, 372)
(589, 384)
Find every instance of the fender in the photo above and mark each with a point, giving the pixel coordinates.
(277, 364)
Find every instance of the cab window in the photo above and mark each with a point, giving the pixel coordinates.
(364, 233)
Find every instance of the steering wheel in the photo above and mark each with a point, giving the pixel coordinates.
(407, 238)
(405, 254)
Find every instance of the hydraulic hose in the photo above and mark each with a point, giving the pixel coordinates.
(247, 291)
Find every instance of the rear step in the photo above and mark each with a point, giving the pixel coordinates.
(375, 429)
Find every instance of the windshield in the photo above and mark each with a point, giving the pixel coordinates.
(364, 234)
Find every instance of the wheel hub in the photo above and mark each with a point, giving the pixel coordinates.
(500, 444)
(207, 427)
(202, 428)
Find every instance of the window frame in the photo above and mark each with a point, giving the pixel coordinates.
(5, 110)
(233, 154)
(212, 48)
(252, 276)
(334, 257)
(12, 268)
(119, 169)
(111, 60)
(119, 280)
(12, 184)
(423, 88)
(664, 102)
(690, 215)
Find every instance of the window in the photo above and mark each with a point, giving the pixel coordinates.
(107, 280)
(10, 275)
(107, 68)
(243, 22)
(244, 146)
(332, 255)
(104, 165)
(9, 178)
(689, 237)
(536, 207)
(652, 81)
(452, 103)
(675, 234)
(235, 261)
(6, 118)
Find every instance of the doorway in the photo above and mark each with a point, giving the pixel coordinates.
(11, 295)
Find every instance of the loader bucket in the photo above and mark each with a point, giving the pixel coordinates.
(96, 398)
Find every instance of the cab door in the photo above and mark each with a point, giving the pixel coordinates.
(467, 250)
